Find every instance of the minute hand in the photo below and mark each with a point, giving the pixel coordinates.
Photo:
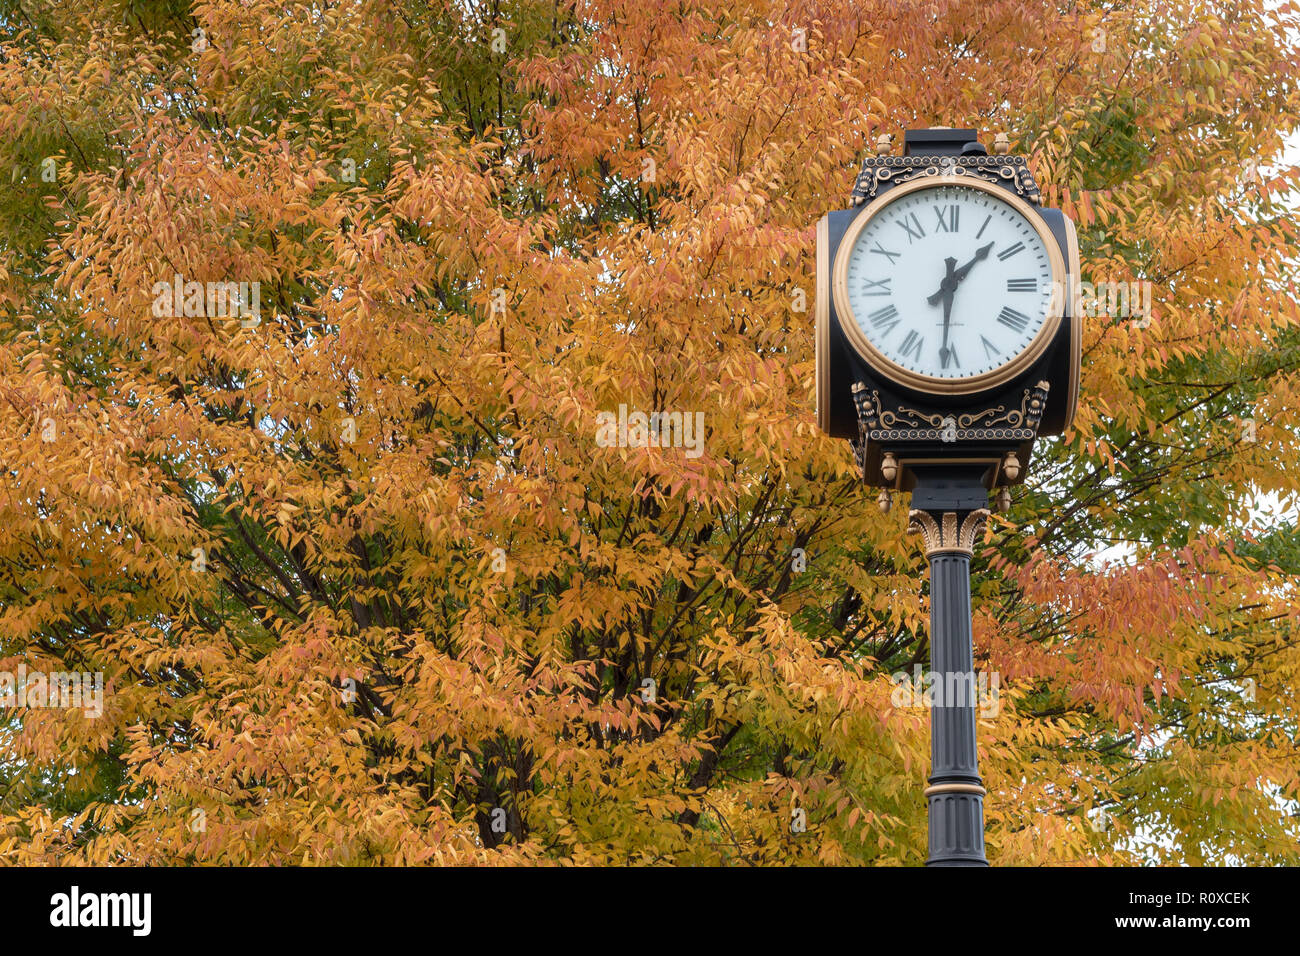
(949, 284)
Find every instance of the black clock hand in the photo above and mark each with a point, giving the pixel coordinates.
(981, 253)
(949, 284)
(944, 351)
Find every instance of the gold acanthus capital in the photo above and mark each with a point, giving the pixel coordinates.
(948, 534)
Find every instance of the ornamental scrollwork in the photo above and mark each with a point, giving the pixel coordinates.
(882, 171)
(904, 423)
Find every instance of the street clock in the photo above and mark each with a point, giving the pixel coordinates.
(945, 326)
(947, 343)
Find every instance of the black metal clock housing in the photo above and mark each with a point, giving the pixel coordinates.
(947, 331)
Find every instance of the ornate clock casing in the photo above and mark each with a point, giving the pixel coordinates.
(972, 372)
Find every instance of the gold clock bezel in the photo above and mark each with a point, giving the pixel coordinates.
(929, 383)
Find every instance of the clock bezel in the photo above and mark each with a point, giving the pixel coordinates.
(970, 384)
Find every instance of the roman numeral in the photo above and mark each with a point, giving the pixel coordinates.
(1010, 251)
(882, 285)
(1013, 319)
(1022, 285)
(990, 350)
(912, 346)
(918, 234)
(948, 357)
(884, 319)
(882, 251)
(987, 219)
(947, 216)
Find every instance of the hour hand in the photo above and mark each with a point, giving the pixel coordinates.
(981, 253)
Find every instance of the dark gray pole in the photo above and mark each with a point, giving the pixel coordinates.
(949, 512)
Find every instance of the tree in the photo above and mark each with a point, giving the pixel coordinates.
(331, 336)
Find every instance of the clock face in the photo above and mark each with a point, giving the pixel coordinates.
(949, 282)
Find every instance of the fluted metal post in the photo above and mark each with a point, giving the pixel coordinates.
(949, 511)
(956, 792)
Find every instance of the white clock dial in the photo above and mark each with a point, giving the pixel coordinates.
(949, 282)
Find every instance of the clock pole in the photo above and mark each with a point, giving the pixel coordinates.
(943, 383)
(949, 507)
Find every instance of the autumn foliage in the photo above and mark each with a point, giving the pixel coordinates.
(362, 584)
